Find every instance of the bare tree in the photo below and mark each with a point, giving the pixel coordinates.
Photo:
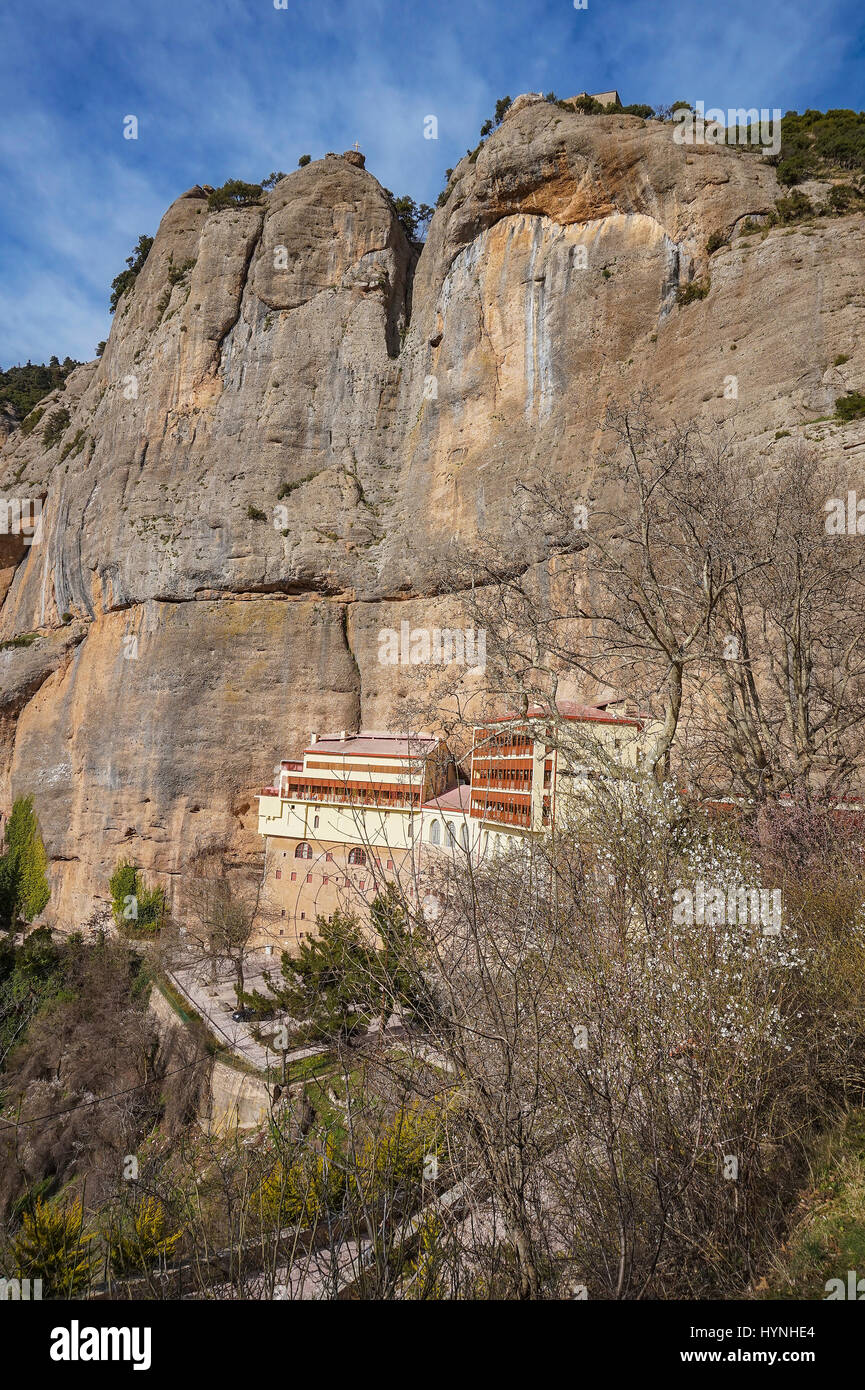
(789, 635)
(219, 923)
(703, 586)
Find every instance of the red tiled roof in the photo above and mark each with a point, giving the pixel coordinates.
(569, 709)
(374, 744)
(457, 799)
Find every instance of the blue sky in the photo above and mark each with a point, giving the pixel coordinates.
(236, 88)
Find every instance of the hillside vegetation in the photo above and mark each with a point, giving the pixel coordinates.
(21, 388)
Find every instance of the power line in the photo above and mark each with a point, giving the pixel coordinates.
(100, 1100)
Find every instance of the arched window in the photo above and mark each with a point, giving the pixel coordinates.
(464, 835)
(435, 833)
(315, 823)
(356, 856)
(303, 851)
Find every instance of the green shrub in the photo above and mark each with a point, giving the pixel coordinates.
(55, 427)
(851, 406)
(139, 1239)
(138, 911)
(234, 194)
(843, 197)
(176, 273)
(29, 424)
(794, 207)
(301, 1192)
(75, 445)
(255, 513)
(715, 242)
(304, 160)
(697, 289)
(24, 887)
(287, 488)
(54, 1245)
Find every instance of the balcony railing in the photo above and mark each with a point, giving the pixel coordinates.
(518, 786)
(500, 813)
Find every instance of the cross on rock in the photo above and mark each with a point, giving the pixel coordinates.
(356, 145)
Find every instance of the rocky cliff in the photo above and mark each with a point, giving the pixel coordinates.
(297, 354)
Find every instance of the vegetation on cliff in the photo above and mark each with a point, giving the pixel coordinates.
(234, 193)
(21, 388)
(817, 143)
(24, 888)
(413, 217)
(134, 265)
(138, 910)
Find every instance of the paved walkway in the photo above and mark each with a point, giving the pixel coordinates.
(216, 1001)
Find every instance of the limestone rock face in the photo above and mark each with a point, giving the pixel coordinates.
(294, 418)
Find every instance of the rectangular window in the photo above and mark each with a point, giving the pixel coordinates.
(325, 879)
(309, 878)
(390, 863)
(329, 858)
(293, 877)
(279, 873)
(362, 884)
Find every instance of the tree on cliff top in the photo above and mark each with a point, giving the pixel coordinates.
(22, 388)
(413, 217)
(234, 194)
(126, 279)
